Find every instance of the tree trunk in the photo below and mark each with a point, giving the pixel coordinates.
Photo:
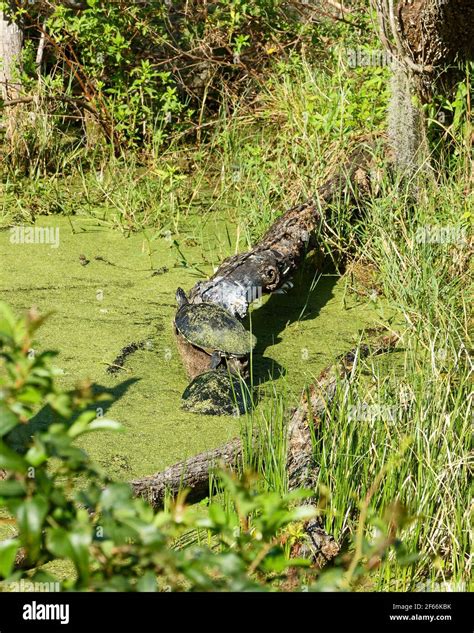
(436, 34)
(426, 39)
(11, 39)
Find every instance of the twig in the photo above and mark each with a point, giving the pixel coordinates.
(39, 52)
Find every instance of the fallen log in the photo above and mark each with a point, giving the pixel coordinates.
(196, 473)
(237, 282)
(265, 268)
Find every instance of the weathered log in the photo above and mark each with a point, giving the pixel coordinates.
(196, 473)
(265, 268)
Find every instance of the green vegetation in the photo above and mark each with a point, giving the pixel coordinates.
(67, 509)
(178, 177)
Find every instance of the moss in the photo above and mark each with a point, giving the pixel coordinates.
(98, 309)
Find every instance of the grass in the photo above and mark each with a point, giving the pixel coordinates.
(399, 430)
(420, 398)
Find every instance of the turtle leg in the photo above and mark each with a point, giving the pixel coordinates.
(215, 360)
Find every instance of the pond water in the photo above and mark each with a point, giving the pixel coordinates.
(106, 290)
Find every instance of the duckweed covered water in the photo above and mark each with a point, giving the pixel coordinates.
(105, 290)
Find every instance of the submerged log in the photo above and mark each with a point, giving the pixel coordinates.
(196, 473)
(266, 267)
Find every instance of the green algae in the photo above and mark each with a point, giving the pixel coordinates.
(101, 306)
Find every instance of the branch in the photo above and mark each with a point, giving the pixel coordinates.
(77, 101)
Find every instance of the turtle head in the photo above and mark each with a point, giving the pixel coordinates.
(181, 298)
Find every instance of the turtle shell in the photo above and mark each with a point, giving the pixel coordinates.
(211, 328)
(216, 393)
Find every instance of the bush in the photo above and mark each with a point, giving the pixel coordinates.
(145, 68)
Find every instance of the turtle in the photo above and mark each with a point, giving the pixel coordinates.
(210, 337)
(217, 392)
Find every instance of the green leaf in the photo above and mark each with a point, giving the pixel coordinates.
(7, 321)
(105, 424)
(217, 515)
(147, 582)
(303, 513)
(57, 542)
(80, 541)
(231, 564)
(11, 489)
(36, 455)
(115, 496)
(8, 419)
(8, 551)
(278, 563)
(30, 395)
(61, 403)
(10, 460)
(73, 544)
(87, 423)
(30, 516)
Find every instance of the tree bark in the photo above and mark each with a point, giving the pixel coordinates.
(426, 39)
(11, 40)
(436, 34)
